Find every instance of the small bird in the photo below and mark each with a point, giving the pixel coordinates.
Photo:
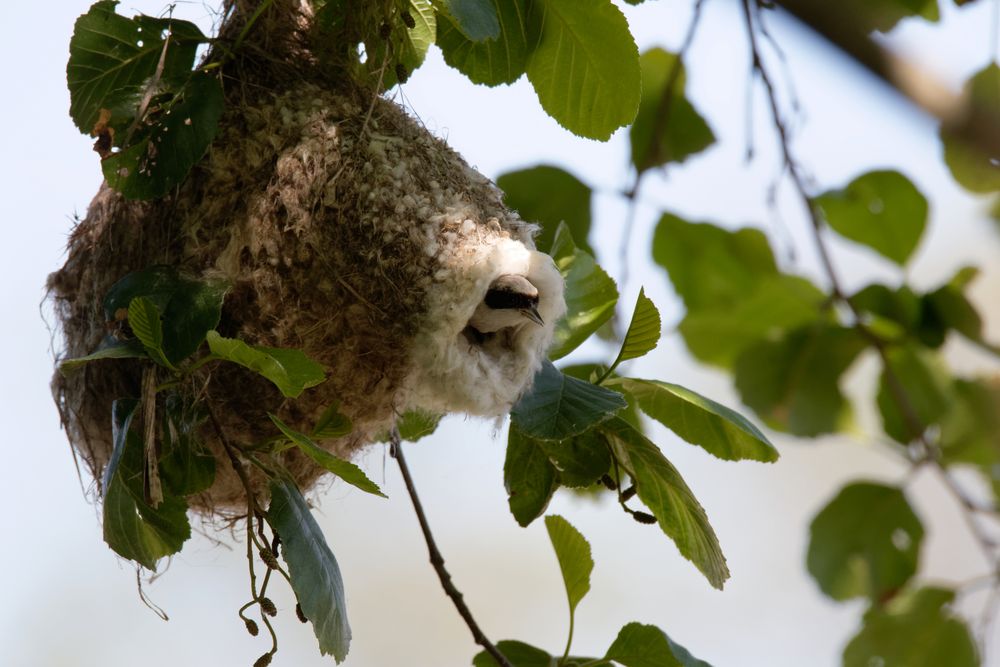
(511, 301)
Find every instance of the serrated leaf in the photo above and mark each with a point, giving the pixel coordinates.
(108, 349)
(792, 381)
(549, 196)
(113, 59)
(517, 653)
(477, 19)
(700, 421)
(643, 331)
(865, 542)
(189, 307)
(166, 146)
(639, 645)
(132, 528)
(581, 460)
(883, 210)
(667, 128)
(144, 320)
(913, 630)
(343, 469)
(590, 294)
(921, 378)
(972, 164)
(710, 266)
(719, 334)
(290, 370)
(495, 61)
(585, 67)
(559, 406)
(573, 553)
(416, 424)
(331, 423)
(662, 489)
(312, 568)
(529, 477)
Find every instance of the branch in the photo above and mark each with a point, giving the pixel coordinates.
(930, 453)
(838, 24)
(437, 560)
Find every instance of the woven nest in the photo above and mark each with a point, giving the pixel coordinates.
(345, 230)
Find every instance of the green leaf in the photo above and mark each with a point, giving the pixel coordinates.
(312, 568)
(715, 428)
(497, 61)
(108, 349)
(662, 489)
(643, 331)
(189, 307)
(559, 406)
(291, 371)
(914, 630)
(883, 15)
(947, 307)
(883, 210)
(719, 334)
(186, 466)
(517, 653)
(406, 47)
(477, 19)
(585, 67)
(667, 128)
(416, 424)
(972, 165)
(132, 528)
(549, 196)
(575, 562)
(194, 309)
(529, 477)
(710, 266)
(144, 319)
(639, 645)
(165, 148)
(113, 59)
(590, 294)
(332, 424)
(924, 382)
(581, 461)
(792, 382)
(343, 469)
(865, 542)
(883, 306)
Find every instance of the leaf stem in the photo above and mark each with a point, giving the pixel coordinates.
(437, 560)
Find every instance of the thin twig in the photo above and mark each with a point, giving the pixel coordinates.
(930, 453)
(437, 560)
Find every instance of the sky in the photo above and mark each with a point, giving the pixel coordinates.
(72, 602)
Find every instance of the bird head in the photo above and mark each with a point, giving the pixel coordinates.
(510, 301)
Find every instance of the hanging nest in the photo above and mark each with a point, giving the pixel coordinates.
(344, 229)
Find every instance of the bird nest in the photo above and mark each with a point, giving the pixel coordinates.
(344, 229)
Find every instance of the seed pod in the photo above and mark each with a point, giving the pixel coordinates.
(251, 627)
(608, 482)
(267, 556)
(385, 30)
(628, 493)
(402, 74)
(408, 20)
(301, 614)
(643, 517)
(263, 661)
(267, 606)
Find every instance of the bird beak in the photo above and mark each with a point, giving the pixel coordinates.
(532, 314)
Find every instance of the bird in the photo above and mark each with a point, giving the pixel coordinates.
(510, 302)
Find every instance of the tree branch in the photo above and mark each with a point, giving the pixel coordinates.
(930, 453)
(437, 560)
